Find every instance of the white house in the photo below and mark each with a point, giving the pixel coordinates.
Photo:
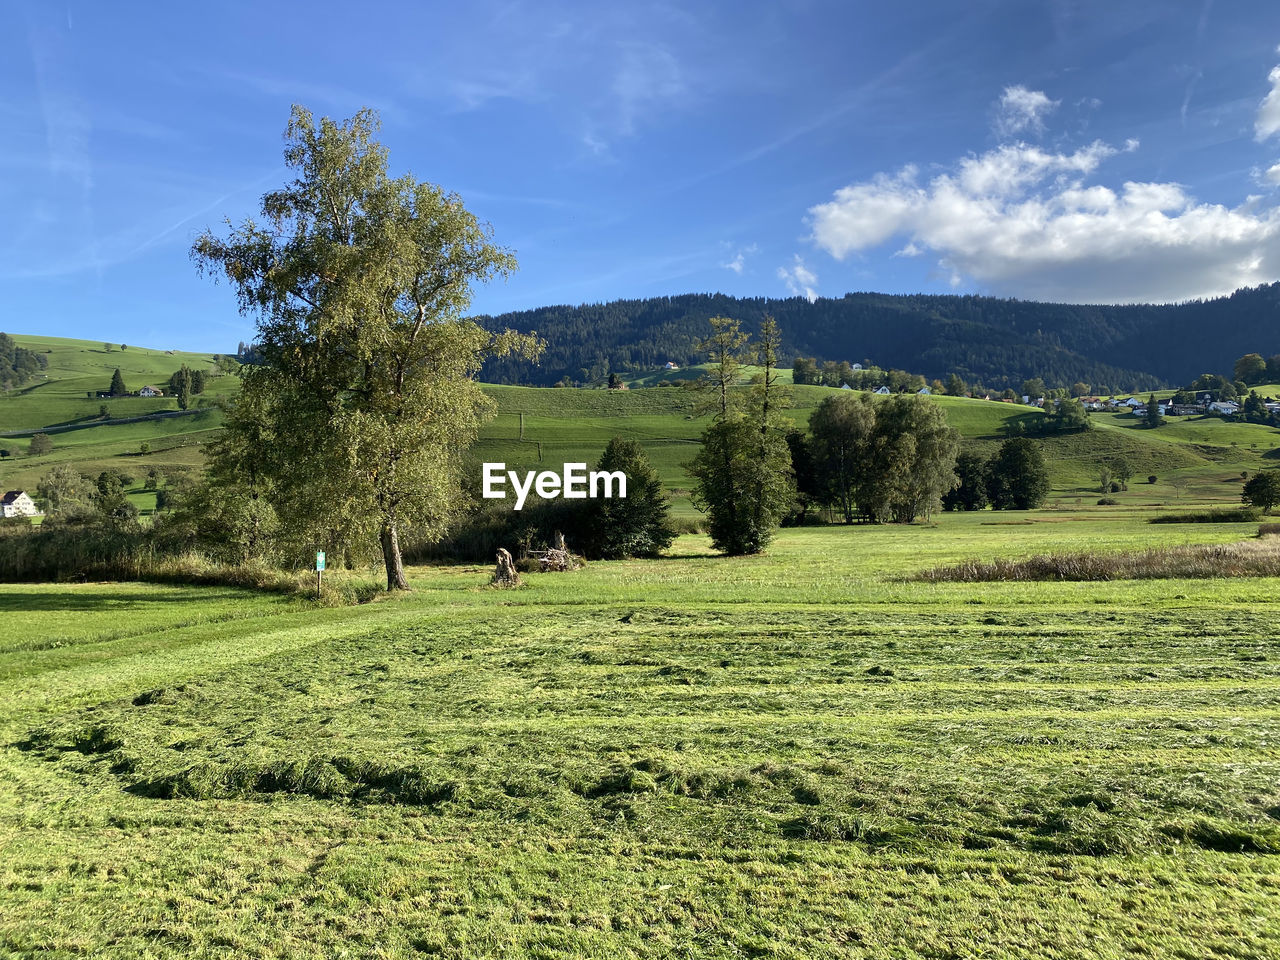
(1224, 406)
(150, 391)
(16, 503)
(857, 366)
(845, 386)
(923, 392)
(883, 391)
(671, 366)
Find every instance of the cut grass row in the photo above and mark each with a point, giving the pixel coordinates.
(793, 755)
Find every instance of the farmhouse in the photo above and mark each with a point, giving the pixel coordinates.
(16, 503)
(883, 391)
(150, 391)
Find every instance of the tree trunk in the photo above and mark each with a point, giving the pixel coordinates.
(391, 557)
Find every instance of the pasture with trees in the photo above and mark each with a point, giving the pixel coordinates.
(789, 708)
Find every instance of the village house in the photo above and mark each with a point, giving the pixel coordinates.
(150, 391)
(16, 503)
(883, 391)
(671, 366)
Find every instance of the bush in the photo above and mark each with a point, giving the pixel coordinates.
(1152, 478)
(41, 443)
(1107, 502)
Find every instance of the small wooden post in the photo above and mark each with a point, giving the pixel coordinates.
(521, 426)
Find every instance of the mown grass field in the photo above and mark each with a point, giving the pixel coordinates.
(796, 755)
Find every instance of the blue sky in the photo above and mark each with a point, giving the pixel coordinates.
(1111, 151)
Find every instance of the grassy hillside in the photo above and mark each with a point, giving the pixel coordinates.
(795, 755)
(565, 425)
(58, 403)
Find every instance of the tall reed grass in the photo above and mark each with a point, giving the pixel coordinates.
(1251, 558)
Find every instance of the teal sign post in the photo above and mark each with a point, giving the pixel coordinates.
(319, 560)
(319, 571)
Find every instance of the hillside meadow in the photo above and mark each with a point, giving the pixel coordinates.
(573, 425)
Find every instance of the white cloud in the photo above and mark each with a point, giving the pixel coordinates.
(800, 280)
(1268, 119)
(1273, 174)
(738, 262)
(1024, 222)
(1020, 110)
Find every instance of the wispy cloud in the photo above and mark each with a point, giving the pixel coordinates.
(800, 280)
(738, 262)
(1020, 110)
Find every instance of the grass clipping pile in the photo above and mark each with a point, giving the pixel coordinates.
(1251, 558)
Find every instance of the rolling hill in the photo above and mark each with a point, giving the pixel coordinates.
(569, 424)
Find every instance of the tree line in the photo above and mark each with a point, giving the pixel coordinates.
(18, 365)
(996, 342)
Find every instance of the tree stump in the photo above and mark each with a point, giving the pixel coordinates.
(505, 573)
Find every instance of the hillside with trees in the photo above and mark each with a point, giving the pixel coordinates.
(997, 342)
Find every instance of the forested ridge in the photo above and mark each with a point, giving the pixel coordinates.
(995, 341)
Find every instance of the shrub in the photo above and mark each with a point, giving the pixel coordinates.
(1107, 502)
(637, 525)
(1152, 478)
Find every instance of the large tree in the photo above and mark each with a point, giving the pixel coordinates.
(912, 460)
(742, 475)
(842, 427)
(1017, 477)
(360, 282)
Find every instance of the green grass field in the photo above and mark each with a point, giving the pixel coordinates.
(795, 755)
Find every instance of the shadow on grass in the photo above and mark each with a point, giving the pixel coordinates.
(72, 600)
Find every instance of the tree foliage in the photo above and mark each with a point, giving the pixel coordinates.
(911, 461)
(842, 427)
(366, 387)
(742, 475)
(1017, 477)
(18, 364)
(637, 525)
(1262, 490)
(970, 491)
